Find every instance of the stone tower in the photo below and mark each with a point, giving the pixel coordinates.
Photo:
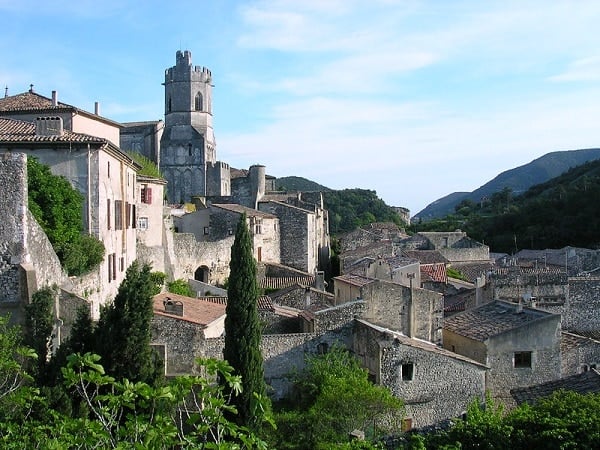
(187, 147)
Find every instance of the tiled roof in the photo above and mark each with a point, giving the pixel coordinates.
(234, 207)
(583, 383)
(435, 272)
(570, 341)
(30, 101)
(283, 282)
(473, 270)
(15, 131)
(263, 303)
(492, 319)
(195, 310)
(355, 280)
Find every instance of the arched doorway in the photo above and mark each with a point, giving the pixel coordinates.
(201, 274)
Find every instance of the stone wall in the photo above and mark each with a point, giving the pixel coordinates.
(583, 312)
(431, 394)
(580, 357)
(13, 211)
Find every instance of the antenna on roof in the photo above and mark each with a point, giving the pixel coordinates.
(31, 88)
(5, 91)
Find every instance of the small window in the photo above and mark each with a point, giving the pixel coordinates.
(522, 360)
(142, 223)
(206, 230)
(118, 214)
(198, 102)
(121, 263)
(108, 214)
(408, 370)
(108, 169)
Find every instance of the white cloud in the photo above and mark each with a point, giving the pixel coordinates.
(585, 69)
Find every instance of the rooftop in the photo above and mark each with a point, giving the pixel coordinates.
(234, 207)
(492, 319)
(195, 310)
(355, 280)
(15, 131)
(583, 383)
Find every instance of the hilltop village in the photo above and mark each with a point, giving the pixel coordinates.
(516, 326)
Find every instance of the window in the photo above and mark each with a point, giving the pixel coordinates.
(522, 360)
(198, 102)
(121, 263)
(146, 194)
(206, 230)
(133, 217)
(112, 267)
(170, 104)
(118, 214)
(127, 215)
(108, 214)
(108, 169)
(142, 223)
(407, 370)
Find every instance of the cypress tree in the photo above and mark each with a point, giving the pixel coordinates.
(123, 332)
(242, 329)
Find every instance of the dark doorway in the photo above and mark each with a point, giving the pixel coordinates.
(201, 274)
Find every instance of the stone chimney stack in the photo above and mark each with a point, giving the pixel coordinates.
(49, 126)
(54, 98)
(97, 108)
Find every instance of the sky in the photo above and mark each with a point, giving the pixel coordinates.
(412, 99)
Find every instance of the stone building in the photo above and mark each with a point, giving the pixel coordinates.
(149, 194)
(455, 246)
(520, 345)
(28, 106)
(413, 311)
(187, 157)
(143, 138)
(435, 384)
(105, 176)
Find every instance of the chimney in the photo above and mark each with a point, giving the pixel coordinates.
(306, 297)
(97, 108)
(174, 307)
(54, 98)
(48, 126)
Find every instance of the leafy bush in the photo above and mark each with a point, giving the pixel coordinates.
(57, 207)
(180, 287)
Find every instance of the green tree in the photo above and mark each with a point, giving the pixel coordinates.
(243, 329)
(39, 322)
(122, 334)
(333, 397)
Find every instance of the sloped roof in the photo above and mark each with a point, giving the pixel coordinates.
(19, 132)
(263, 303)
(583, 383)
(570, 341)
(492, 319)
(426, 256)
(195, 310)
(234, 207)
(32, 102)
(355, 280)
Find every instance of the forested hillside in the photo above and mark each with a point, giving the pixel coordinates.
(352, 208)
(562, 211)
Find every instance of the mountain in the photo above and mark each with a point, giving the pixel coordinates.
(518, 180)
(298, 184)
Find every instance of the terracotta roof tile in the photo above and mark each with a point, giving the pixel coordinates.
(30, 101)
(234, 207)
(355, 280)
(195, 310)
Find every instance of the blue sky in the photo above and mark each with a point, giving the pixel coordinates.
(413, 99)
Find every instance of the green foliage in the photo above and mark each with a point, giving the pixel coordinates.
(564, 420)
(39, 321)
(352, 208)
(158, 280)
(149, 168)
(14, 357)
(122, 335)
(243, 329)
(333, 397)
(455, 273)
(58, 207)
(298, 184)
(180, 287)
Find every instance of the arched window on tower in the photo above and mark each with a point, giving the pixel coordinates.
(198, 102)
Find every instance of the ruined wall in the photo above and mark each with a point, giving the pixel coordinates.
(580, 357)
(191, 254)
(430, 395)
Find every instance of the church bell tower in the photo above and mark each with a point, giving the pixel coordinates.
(188, 144)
